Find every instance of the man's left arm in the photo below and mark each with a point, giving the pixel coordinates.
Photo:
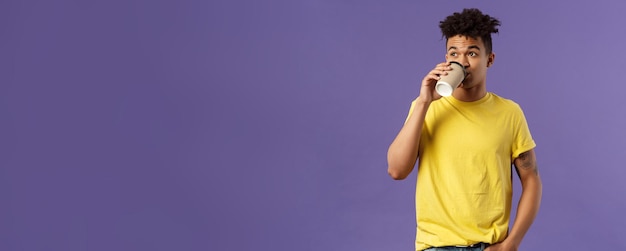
(526, 165)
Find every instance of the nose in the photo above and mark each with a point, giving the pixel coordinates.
(463, 60)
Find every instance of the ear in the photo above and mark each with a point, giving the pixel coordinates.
(491, 58)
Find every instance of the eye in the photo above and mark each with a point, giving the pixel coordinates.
(473, 54)
(453, 54)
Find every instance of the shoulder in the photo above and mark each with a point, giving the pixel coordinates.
(505, 102)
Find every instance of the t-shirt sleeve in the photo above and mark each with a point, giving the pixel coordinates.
(523, 140)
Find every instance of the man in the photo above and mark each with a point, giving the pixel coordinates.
(466, 144)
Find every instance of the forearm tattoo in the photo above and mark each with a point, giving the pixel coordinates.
(526, 161)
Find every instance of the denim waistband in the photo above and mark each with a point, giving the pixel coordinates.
(476, 245)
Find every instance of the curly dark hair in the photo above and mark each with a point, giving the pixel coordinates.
(470, 23)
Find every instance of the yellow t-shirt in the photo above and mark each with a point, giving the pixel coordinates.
(463, 192)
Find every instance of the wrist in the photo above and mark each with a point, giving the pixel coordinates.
(422, 101)
(512, 241)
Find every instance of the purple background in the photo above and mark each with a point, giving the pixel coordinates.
(264, 125)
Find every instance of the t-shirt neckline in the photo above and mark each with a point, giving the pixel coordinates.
(455, 101)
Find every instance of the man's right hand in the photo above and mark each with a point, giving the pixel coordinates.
(427, 91)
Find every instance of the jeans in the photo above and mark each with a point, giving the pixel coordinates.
(480, 247)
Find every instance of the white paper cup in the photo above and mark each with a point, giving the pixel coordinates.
(446, 85)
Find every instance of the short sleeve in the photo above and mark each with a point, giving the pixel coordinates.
(523, 140)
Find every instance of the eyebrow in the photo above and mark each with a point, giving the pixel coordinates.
(469, 47)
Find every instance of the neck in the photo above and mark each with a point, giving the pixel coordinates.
(470, 94)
